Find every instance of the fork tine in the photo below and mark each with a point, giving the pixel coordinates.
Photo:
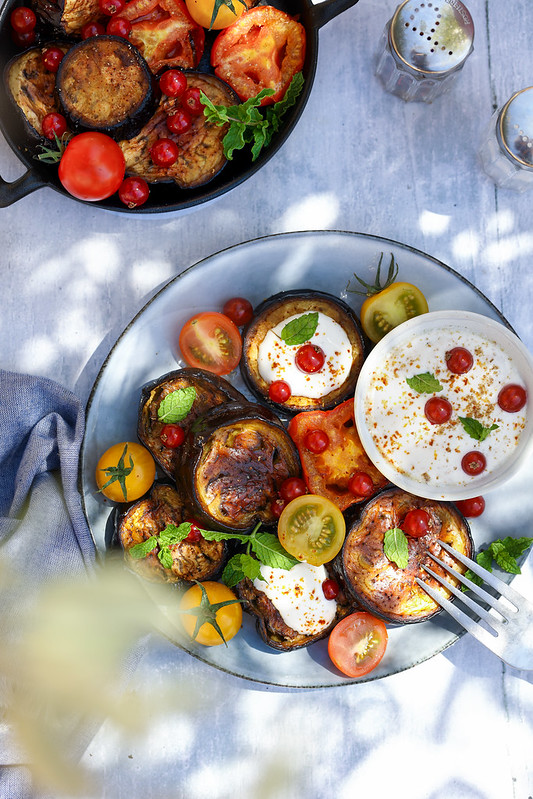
(493, 621)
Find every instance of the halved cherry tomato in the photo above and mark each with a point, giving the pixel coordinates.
(267, 39)
(202, 12)
(211, 341)
(125, 471)
(312, 529)
(357, 644)
(388, 308)
(229, 617)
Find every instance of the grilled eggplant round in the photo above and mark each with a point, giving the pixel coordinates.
(378, 583)
(211, 391)
(284, 306)
(234, 460)
(104, 84)
(191, 560)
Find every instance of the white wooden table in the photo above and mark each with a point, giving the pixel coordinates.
(461, 724)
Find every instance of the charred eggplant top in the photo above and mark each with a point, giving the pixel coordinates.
(210, 390)
(378, 583)
(191, 560)
(309, 340)
(68, 15)
(235, 458)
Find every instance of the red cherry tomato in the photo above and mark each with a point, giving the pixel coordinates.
(191, 100)
(110, 7)
(316, 441)
(179, 122)
(438, 410)
(357, 644)
(474, 463)
(173, 82)
(471, 507)
(119, 26)
(416, 522)
(512, 398)
(279, 391)
(239, 310)
(54, 123)
(211, 341)
(164, 152)
(92, 166)
(330, 589)
(459, 360)
(195, 533)
(134, 192)
(92, 29)
(52, 58)
(277, 506)
(310, 358)
(23, 19)
(25, 39)
(361, 485)
(291, 488)
(172, 435)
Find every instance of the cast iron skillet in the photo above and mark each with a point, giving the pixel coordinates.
(163, 197)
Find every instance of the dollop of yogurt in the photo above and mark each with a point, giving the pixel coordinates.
(276, 359)
(298, 596)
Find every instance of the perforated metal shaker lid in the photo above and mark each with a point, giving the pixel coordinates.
(432, 37)
(515, 127)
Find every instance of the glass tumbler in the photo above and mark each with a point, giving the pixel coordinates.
(423, 48)
(507, 148)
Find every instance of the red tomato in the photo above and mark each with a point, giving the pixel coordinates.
(110, 7)
(134, 192)
(512, 398)
(52, 58)
(279, 391)
(239, 310)
(92, 166)
(211, 341)
(269, 39)
(291, 488)
(316, 441)
(164, 152)
(438, 410)
(24, 39)
(194, 534)
(54, 123)
(277, 506)
(179, 122)
(173, 82)
(191, 100)
(416, 522)
(92, 29)
(474, 463)
(23, 19)
(172, 435)
(459, 360)
(361, 485)
(310, 358)
(357, 644)
(118, 26)
(330, 589)
(471, 507)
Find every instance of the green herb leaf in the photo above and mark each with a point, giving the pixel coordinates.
(176, 405)
(395, 547)
(301, 329)
(173, 534)
(240, 566)
(424, 383)
(143, 548)
(269, 551)
(504, 551)
(475, 429)
(165, 556)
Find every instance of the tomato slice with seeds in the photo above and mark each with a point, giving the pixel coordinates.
(387, 309)
(312, 529)
(357, 644)
(211, 341)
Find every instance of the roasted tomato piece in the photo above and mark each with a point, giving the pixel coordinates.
(357, 644)
(263, 49)
(312, 529)
(329, 472)
(165, 33)
(211, 341)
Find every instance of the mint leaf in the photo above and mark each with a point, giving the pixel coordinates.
(176, 405)
(475, 429)
(424, 383)
(505, 552)
(274, 113)
(173, 534)
(216, 535)
(301, 329)
(515, 546)
(269, 551)
(239, 567)
(165, 556)
(142, 549)
(395, 547)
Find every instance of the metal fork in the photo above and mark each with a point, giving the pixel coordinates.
(510, 633)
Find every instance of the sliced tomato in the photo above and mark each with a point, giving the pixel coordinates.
(312, 529)
(330, 471)
(165, 33)
(357, 644)
(263, 49)
(387, 309)
(211, 341)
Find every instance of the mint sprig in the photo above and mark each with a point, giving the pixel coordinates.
(395, 547)
(475, 428)
(176, 405)
(424, 383)
(301, 329)
(171, 535)
(504, 552)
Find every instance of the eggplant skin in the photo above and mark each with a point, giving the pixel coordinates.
(234, 462)
(379, 584)
(282, 306)
(192, 560)
(211, 391)
(68, 15)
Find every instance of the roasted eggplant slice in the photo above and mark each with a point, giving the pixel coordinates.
(191, 560)
(210, 390)
(68, 15)
(282, 327)
(235, 458)
(377, 582)
(104, 84)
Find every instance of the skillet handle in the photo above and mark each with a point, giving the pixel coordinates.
(11, 192)
(326, 11)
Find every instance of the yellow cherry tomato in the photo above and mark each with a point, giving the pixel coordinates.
(202, 12)
(389, 308)
(228, 617)
(312, 529)
(125, 472)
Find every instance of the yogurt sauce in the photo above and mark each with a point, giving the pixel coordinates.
(276, 359)
(432, 452)
(298, 596)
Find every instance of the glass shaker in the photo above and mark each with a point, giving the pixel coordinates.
(507, 148)
(424, 47)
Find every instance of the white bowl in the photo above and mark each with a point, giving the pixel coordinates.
(425, 458)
